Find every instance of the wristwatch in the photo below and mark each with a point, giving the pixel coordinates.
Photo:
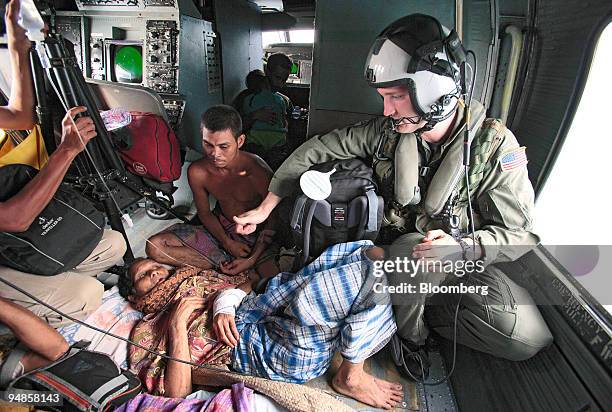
(466, 250)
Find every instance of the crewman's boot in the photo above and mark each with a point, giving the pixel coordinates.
(412, 360)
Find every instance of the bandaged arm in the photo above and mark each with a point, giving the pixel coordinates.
(228, 301)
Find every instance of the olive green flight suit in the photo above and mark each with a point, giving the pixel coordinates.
(504, 323)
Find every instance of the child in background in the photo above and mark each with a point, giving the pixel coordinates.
(271, 133)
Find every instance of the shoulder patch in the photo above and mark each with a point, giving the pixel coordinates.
(513, 159)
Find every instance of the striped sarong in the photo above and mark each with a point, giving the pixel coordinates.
(292, 330)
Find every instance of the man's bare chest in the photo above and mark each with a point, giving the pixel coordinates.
(234, 188)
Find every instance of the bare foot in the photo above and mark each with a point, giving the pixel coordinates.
(367, 389)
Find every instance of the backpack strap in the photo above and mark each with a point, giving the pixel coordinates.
(372, 223)
(57, 384)
(298, 214)
(301, 220)
(310, 207)
(11, 363)
(120, 381)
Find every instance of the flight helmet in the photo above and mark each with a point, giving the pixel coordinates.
(417, 51)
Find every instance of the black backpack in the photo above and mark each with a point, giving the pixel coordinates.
(59, 238)
(352, 212)
(81, 380)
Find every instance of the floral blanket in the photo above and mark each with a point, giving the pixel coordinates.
(116, 316)
(152, 330)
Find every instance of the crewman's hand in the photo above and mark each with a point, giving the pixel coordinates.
(237, 266)
(247, 222)
(237, 249)
(71, 129)
(183, 309)
(17, 39)
(224, 327)
(265, 114)
(437, 245)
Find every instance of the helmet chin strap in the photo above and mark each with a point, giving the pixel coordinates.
(427, 127)
(405, 120)
(430, 124)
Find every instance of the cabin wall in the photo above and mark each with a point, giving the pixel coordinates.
(193, 81)
(238, 23)
(344, 31)
(516, 8)
(511, 13)
(480, 25)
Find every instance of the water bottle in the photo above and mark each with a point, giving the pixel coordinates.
(31, 21)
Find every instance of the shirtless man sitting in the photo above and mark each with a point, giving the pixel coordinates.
(239, 181)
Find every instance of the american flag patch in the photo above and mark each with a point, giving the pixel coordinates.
(513, 159)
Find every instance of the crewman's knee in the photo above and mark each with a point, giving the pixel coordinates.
(505, 322)
(530, 335)
(402, 246)
(515, 334)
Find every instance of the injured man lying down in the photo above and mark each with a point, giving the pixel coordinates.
(288, 332)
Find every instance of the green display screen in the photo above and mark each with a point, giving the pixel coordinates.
(128, 64)
(295, 69)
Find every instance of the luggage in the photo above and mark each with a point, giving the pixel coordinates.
(155, 151)
(84, 380)
(352, 212)
(59, 238)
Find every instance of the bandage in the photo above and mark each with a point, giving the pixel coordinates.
(228, 301)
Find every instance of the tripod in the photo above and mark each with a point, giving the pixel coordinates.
(98, 170)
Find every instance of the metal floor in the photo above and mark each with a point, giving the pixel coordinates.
(439, 398)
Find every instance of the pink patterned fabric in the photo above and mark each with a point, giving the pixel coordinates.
(201, 240)
(237, 399)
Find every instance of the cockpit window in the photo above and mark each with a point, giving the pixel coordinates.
(291, 36)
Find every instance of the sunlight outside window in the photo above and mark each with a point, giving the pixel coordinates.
(271, 37)
(293, 36)
(574, 205)
(301, 36)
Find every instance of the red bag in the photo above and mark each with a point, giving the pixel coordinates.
(155, 151)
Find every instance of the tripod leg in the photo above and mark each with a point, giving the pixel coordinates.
(42, 103)
(115, 223)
